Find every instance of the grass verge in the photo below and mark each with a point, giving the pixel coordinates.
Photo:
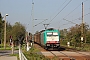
(7, 47)
(32, 55)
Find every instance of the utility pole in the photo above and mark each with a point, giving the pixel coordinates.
(32, 24)
(5, 32)
(82, 29)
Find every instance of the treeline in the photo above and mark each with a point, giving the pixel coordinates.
(74, 34)
(16, 31)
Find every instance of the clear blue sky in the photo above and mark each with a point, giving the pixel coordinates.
(53, 10)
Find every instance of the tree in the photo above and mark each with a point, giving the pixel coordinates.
(88, 36)
(74, 34)
(9, 31)
(18, 30)
(0, 26)
(1, 22)
(63, 33)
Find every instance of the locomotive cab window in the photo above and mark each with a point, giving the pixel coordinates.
(52, 34)
(55, 33)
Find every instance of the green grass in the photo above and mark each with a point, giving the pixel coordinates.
(7, 47)
(32, 55)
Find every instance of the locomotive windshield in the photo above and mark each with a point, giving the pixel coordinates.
(52, 34)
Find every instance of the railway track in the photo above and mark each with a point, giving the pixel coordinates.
(62, 56)
(65, 55)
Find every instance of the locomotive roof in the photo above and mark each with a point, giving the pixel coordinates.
(46, 30)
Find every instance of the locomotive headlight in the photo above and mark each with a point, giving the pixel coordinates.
(48, 44)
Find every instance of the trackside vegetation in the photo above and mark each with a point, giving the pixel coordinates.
(73, 36)
(32, 54)
(8, 47)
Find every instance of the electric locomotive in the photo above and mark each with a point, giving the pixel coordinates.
(49, 38)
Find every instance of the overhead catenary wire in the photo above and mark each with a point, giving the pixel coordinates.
(70, 21)
(60, 11)
(61, 6)
(80, 17)
(69, 14)
(40, 22)
(74, 19)
(85, 0)
(45, 20)
(74, 9)
(72, 12)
